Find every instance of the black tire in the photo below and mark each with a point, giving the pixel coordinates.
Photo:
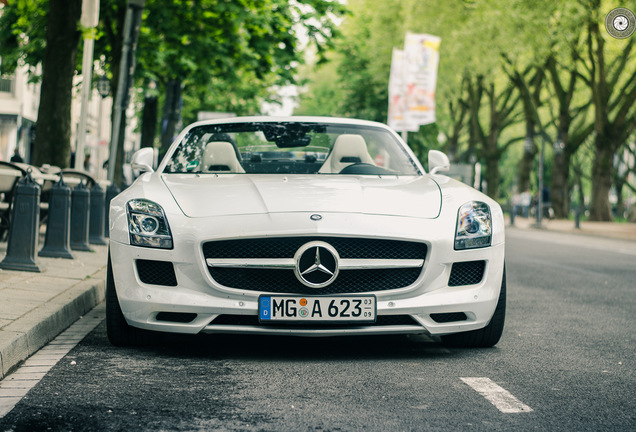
(488, 336)
(119, 332)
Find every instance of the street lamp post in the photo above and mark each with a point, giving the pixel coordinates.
(541, 173)
(103, 88)
(90, 18)
(132, 24)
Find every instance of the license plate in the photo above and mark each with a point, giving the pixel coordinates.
(331, 309)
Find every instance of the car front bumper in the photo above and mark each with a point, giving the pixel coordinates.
(199, 296)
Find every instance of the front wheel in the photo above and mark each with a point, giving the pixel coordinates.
(118, 330)
(487, 336)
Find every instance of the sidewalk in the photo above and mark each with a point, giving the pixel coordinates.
(36, 307)
(622, 231)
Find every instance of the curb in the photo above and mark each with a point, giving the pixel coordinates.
(27, 334)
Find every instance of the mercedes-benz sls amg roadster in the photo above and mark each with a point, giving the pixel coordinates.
(303, 226)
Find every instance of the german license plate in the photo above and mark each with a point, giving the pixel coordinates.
(330, 309)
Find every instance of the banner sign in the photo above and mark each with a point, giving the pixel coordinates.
(412, 82)
(397, 94)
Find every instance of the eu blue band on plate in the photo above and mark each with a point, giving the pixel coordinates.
(265, 308)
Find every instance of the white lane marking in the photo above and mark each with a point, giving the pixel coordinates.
(17, 384)
(502, 399)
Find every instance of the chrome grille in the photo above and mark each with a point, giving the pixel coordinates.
(283, 280)
(286, 247)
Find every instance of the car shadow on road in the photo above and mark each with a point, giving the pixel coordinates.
(286, 348)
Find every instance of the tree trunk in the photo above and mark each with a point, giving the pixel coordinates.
(149, 121)
(171, 113)
(492, 176)
(491, 150)
(527, 162)
(601, 179)
(620, 202)
(560, 186)
(53, 130)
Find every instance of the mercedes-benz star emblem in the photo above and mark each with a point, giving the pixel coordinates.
(316, 264)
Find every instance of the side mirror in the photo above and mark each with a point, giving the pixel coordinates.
(142, 159)
(437, 161)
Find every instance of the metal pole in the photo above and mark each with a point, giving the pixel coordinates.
(126, 69)
(98, 168)
(87, 69)
(540, 195)
(90, 18)
(123, 75)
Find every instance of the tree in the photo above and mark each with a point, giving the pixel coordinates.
(611, 77)
(189, 46)
(570, 135)
(500, 114)
(53, 129)
(183, 45)
(58, 56)
(320, 96)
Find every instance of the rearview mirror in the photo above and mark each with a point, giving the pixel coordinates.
(142, 159)
(437, 161)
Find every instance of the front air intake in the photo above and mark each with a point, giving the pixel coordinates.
(178, 317)
(448, 317)
(156, 272)
(467, 273)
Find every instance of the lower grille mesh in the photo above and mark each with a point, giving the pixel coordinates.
(252, 320)
(467, 273)
(156, 272)
(284, 281)
(449, 317)
(176, 317)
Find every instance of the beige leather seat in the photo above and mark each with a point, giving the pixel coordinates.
(220, 157)
(348, 149)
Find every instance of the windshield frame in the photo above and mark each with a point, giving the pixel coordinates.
(249, 124)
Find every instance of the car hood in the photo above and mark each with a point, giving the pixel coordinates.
(240, 194)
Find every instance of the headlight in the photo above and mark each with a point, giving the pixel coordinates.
(474, 227)
(147, 224)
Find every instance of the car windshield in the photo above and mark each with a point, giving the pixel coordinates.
(290, 148)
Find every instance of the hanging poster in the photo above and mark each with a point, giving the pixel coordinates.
(421, 59)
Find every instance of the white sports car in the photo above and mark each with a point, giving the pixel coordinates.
(303, 226)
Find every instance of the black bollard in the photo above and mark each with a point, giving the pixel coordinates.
(111, 192)
(58, 229)
(96, 220)
(24, 228)
(80, 208)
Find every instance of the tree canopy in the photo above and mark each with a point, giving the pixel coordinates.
(221, 54)
(512, 74)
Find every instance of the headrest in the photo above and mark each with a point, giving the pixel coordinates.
(347, 149)
(219, 157)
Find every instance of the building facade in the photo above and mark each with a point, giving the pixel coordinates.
(19, 101)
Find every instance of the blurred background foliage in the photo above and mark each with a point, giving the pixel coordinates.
(514, 75)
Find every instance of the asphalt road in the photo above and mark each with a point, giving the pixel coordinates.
(565, 362)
